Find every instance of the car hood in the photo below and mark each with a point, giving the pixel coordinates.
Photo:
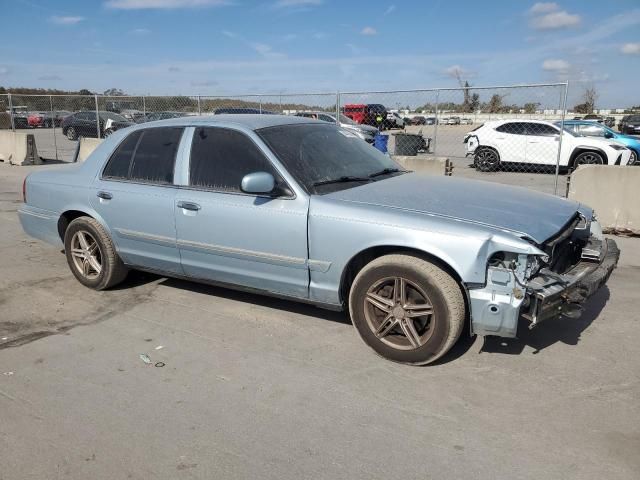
(524, 212)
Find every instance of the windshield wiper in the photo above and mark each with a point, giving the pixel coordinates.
(384, 172)
(343, 179)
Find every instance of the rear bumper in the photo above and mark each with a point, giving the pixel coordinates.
(553, 296)
(40, 224)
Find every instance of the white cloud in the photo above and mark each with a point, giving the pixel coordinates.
(4, 70)
(454, 70)
(544, 7)
(61, 20)
(229, 34)
(141, 31)
(555, 65)
(163, 4)
(390, 9)
(555, 20)
(266, 50)
(297, 3)
(631, 49)
(368, 31)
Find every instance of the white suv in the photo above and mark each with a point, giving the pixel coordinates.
(537, 142)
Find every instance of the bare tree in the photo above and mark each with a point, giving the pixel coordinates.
(590, 96)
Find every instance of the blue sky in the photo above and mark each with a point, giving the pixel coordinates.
(215, 47)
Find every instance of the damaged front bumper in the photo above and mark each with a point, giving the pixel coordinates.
(497, 307)
(553, 295)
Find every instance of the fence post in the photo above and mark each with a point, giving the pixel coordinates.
(435, 124)
(260, 103)
(338, 107)
(97, 116)
(564, 111)
(144, 109)
(13, 125)
(53, 126)
(199, 111)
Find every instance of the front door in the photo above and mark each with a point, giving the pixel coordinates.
(543, 142)
(511, 142)
(228, 236)
(135, 196)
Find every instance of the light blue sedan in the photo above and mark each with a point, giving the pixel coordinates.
(586, 128)
(305, 210)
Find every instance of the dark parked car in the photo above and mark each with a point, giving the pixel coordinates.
(418, 121)
(83, 124)
(630, 124)
(594, 117)
(610, 122)
(153, 116)
(220, 111)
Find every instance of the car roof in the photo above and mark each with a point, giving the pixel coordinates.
(249, 121)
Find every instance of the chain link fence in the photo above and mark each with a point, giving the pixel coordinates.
(503, 134)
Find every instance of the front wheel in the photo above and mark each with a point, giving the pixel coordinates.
(407, 309)
(588, 158)
(633, 159)
(486, 159)
(91, 255)
(107, 132)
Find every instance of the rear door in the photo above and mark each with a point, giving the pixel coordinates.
(543, 142)
(511, 141)
(135, 196)
(231, 237)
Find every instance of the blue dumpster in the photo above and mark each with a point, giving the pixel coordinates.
(380, 142)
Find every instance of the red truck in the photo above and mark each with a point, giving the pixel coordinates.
(366, 114)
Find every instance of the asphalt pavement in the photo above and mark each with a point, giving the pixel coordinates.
(252, 387)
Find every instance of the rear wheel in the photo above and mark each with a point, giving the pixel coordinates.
(588, 158)
(486, 159)
(91, 255)
(71, 133)
(407, 309)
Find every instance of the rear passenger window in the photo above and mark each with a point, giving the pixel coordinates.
(146, 156)
(221, 157)
(120, 161)
(514, 128)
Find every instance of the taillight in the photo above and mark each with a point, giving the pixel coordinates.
(24, 190)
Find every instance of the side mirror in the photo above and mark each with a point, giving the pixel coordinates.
(608, 135)
(258, 182)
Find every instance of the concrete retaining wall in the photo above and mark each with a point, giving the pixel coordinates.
(18, 148)
(429, 165)
(612, 192)
(85, 147)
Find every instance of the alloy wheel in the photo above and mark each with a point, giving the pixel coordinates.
(486, 159)
(399, 313)
(86, 254)
(589, 159)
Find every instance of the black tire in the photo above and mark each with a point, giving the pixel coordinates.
(71, 133)
(633, 159)
(107, 132)
(588, 158)
(112, 271)
(434, 333)
(486, 159)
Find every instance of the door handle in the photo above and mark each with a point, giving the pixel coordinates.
(189, 206)
(105, 195)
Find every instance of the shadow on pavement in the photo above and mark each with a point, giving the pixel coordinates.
(565, 330)
(240, 296)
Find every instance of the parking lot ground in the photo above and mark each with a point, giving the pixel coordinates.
(254, 387)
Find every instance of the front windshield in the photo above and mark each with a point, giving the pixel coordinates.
(345, 119)
(322, 153)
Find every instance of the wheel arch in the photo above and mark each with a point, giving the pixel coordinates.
(363, 257)
(587, 148)
(71, 213)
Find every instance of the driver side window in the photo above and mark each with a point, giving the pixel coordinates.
(221, 157)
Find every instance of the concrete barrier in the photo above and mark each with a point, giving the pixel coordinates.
(18, 148)
(612, 193)
(85, 147)
(429, 165)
